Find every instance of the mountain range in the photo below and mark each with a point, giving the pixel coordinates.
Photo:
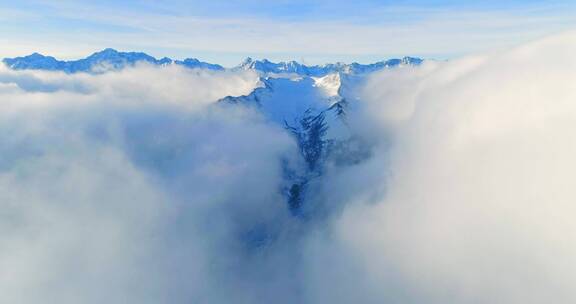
(111, 59)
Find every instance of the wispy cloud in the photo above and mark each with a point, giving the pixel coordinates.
(70, 29)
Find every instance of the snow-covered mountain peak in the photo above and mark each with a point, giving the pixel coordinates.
(33, 60)
(106, 52)
(246, 64)
(329, 84)
(36, 55)
(288, 100)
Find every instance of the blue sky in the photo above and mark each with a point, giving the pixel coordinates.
(314, 31)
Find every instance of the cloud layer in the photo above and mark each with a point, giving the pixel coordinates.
(479, 199)
(134, 187)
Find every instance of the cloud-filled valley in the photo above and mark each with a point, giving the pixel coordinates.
(418, 182)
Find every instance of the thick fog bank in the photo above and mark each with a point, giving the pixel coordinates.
(136, 187)
(480, 203)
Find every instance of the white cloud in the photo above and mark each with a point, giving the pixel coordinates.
(132, 187)
(478, 204)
